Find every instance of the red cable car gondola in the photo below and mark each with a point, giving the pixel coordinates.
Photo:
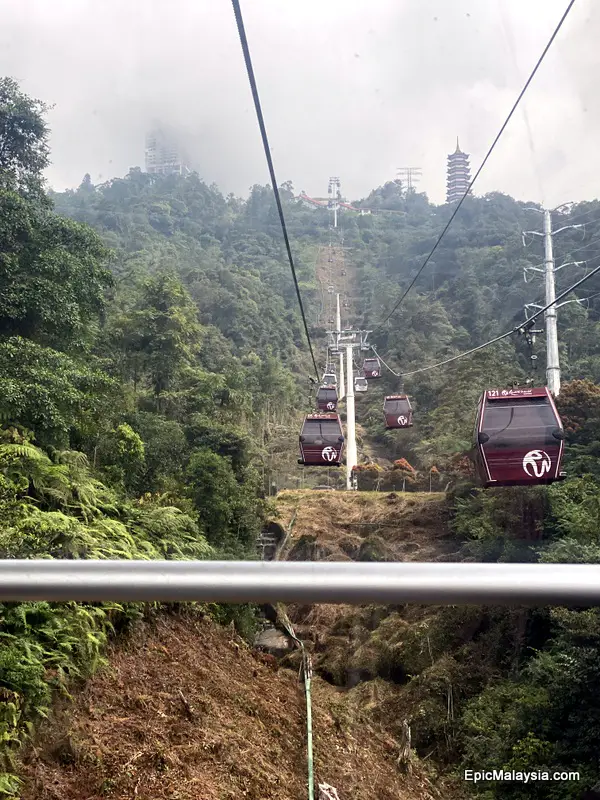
(371, 368)
(397, 411)
(321, 441)
(519, 438)
(327, 398)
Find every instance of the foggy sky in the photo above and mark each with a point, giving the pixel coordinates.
(353, 88)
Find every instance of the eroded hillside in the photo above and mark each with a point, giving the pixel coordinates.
(394, 665)
(187, 711)
(366, 526)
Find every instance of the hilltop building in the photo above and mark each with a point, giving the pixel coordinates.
(458, 175)
(163, 155)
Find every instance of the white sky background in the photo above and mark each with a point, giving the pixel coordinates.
(354, 88)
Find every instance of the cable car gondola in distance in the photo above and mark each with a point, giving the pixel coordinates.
(371, 368)
(329, 378)
(397, 411)
(360, 384)
(321, 441)
(327, 398)
(519, 438)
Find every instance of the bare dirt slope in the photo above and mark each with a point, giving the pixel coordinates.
(186, 711)
(346, 526)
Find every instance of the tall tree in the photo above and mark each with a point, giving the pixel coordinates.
(23, 139)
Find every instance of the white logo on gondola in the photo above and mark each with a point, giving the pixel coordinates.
(330, 406)
(539, 462)
(402, 420)
(374, 374)
(329, 454)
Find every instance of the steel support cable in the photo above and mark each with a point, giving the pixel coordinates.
(583, 246)
(589, 244)
(306, 670)
(483, 163)
(307, 674)
(263, 133)
(516, 329)
(397, 374)
(578, 218)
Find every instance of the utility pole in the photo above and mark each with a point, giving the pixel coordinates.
(351, 456)
(338, 326)
(549, 271)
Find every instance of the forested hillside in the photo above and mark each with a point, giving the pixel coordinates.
(472, 290)
(153, 375)
(150, 355)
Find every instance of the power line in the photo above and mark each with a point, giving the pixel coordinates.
(483, 163)
(584, 214)
(582, 247)
(570, 253)
(263, 132)
(516, 329)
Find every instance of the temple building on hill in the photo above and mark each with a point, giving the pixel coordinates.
(163, 156)
(458, 175)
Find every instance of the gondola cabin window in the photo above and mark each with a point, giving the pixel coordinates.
(397, 406)
(508, 423)
(321, 429)
(312, 428)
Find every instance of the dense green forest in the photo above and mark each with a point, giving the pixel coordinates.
(150, 351)
(153, 370)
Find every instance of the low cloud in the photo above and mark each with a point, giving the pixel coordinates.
(348, 88)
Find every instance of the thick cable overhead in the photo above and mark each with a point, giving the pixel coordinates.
(577, 249)
(483, 163)
(263, 133)
(582, 247)
(516, 329)
(387, 366)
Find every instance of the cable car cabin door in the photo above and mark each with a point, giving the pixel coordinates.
(520, 438)
(397, 411)
(327, 398)
(321, 441)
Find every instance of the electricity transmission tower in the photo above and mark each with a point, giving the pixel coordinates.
(549, 271)
(409, 176)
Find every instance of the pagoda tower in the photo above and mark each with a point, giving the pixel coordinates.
(458, 175)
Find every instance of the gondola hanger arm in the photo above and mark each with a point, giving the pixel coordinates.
(566, 228)
(569, 264)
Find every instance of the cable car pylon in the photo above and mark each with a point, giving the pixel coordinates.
(351, 456)
(549, 271)
(338, 325)
(348, 341)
